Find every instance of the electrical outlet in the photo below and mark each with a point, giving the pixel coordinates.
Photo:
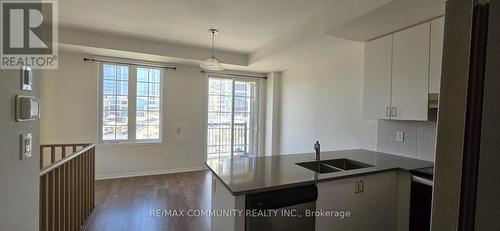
(400, 136)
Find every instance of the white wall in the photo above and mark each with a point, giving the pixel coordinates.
(19, 179)
(272, 113)
(322, 100)
(70, 114)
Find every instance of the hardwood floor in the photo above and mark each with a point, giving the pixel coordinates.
(125, 204)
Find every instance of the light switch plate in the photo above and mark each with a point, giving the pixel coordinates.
(400, 136)
(26, 78)
(26, 145)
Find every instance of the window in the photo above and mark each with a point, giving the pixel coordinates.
(115, 102)
(148, 104)
(131, 103)
(232, 117)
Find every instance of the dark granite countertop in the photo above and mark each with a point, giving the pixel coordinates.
(244, 175)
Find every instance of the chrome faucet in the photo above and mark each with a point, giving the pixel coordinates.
(317, 149)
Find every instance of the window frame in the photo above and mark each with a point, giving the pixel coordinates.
(257, 113)
(132, 105)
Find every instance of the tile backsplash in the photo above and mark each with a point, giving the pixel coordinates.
(419, 138)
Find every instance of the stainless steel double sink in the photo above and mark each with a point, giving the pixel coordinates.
(333, 165)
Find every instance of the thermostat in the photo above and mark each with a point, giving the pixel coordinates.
(27, 108)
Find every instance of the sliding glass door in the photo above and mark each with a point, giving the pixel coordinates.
(232, 117)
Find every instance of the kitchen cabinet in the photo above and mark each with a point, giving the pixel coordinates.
(372, 201)
(436, 55)
(378, 201)
(377, 81)
(401, 69)
(338, 195)
(410, 73)
(222, 199)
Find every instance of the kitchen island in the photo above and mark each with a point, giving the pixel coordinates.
(377, 194)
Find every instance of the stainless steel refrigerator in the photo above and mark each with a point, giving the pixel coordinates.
(467, 171)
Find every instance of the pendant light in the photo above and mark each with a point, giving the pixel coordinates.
(212, 64)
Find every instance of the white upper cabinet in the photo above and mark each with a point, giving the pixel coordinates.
(410, 73)
(377, 81)
(437, 37)
(401, 69)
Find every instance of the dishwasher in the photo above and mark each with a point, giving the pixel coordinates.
(288, 208)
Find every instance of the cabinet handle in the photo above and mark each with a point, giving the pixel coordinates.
(356, 187)
(394, 111)
(388, 111)
(362, 183)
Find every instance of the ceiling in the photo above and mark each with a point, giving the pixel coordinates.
(388, 18)
(256, 35)
(245, 25)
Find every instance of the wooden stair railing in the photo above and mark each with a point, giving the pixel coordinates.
(66, 186)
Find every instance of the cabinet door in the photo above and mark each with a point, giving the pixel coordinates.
(377, 79)
(338, 195)
(379, 202)
(223, 199)
(410, 73)
(436, 56)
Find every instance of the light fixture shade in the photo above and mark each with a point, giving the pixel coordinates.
(212, 64)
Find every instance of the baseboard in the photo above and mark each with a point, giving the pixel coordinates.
(147, 173)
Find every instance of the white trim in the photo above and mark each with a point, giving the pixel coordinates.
(262, 126)
(205, 116)
(147, 173)
(236, 72)
(132, 105)
(124, 144)
(233, 90)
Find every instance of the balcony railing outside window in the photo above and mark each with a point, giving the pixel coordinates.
(219, 139)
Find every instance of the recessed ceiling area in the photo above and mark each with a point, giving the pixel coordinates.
(245, 25)
(388, 18)
(257, 35)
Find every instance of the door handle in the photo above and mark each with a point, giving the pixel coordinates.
(422, 181)
(394, 111)
(388, 111)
